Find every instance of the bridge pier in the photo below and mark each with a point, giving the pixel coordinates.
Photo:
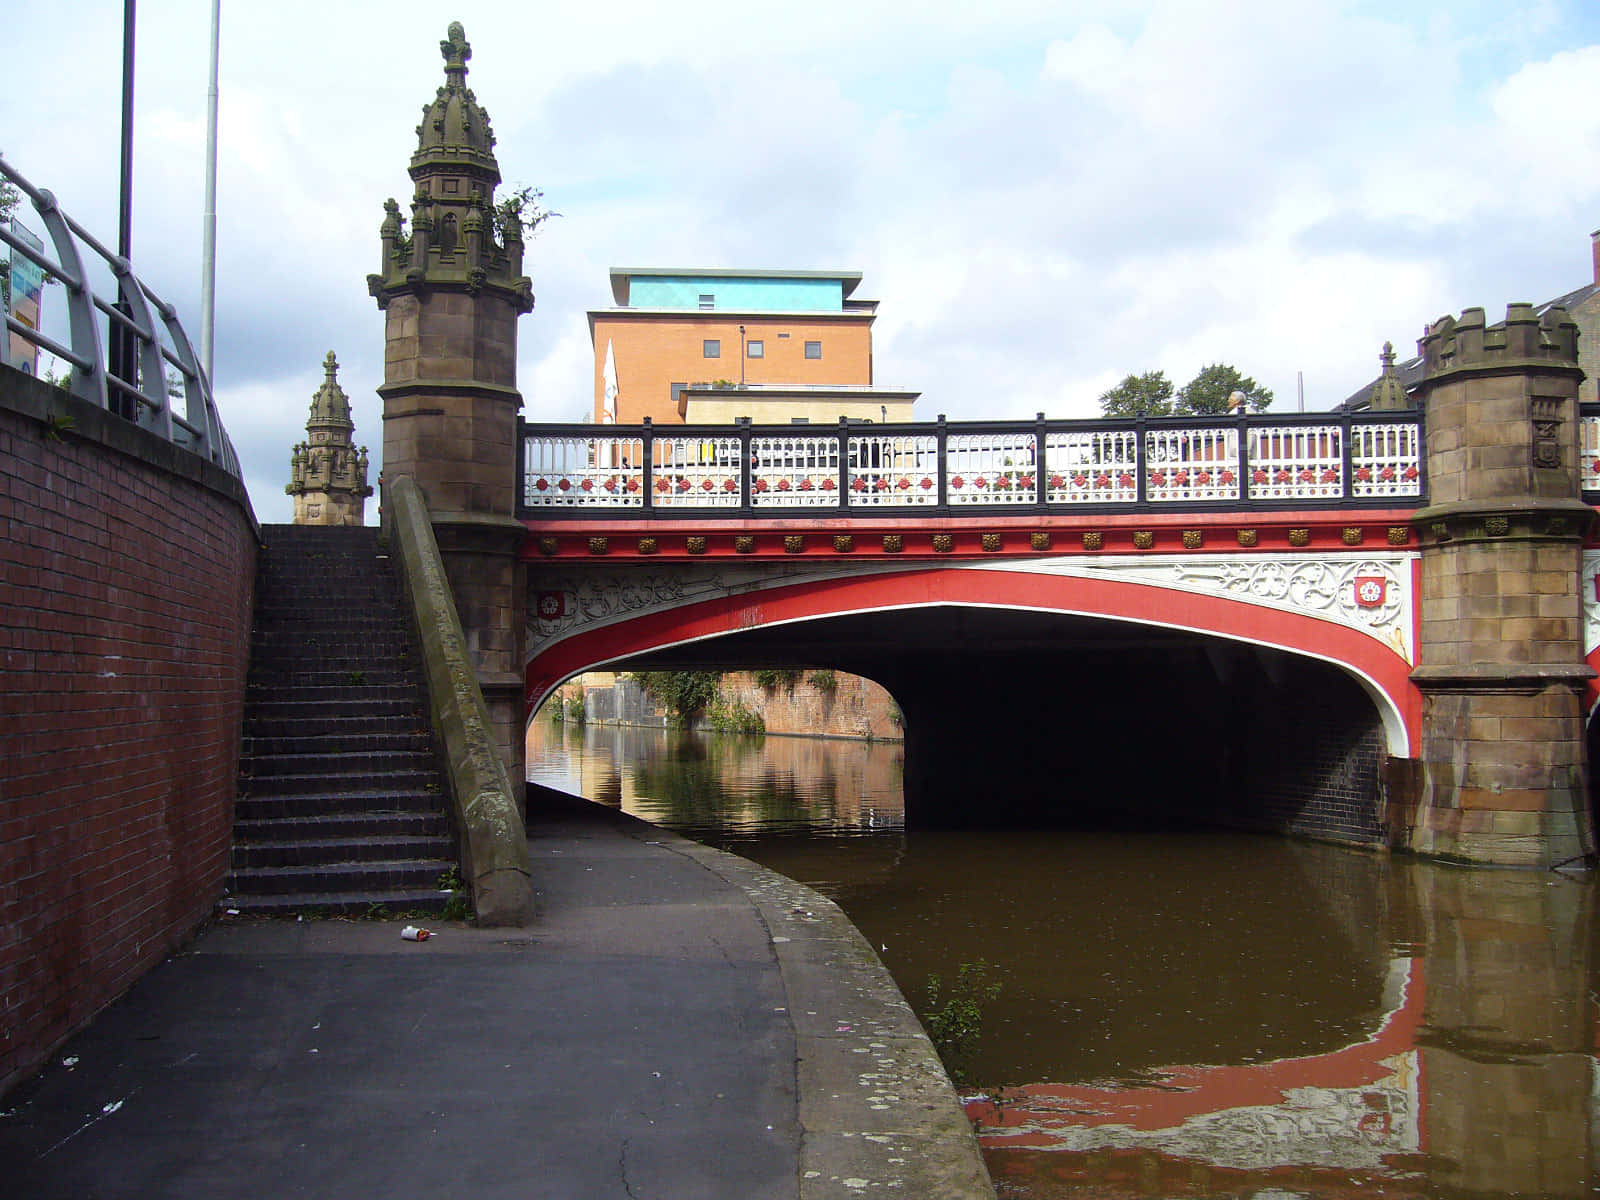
(451, 293)
(1502, 772)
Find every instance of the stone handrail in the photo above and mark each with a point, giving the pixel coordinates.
(491, 833)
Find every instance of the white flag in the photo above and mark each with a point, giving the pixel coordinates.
(608, 415)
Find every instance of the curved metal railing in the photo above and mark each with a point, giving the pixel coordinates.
(138, 389)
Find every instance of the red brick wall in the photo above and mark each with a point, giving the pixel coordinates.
(854, 707)
(126, 575)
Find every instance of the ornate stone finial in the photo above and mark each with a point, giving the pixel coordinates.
(330, 407)
(1388, 393)
(453, 241)
(455, 48)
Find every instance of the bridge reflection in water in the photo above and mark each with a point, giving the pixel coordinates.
(1182, 1015)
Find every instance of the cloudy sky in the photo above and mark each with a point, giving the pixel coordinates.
(1043, 196)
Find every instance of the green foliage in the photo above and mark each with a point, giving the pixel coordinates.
(9, 199)
(56, 425)
(524, 208)
(954, 1020)
(574, 710)
(1147, 395)
(732, 717)
(770, 679)
(1207, 393)
(62, 381)
(823, 681)
(684, 694)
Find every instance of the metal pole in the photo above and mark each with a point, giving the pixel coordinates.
(120, 351)
(208, 250)
(125, 210)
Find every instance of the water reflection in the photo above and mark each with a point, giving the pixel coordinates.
(1183, 1015)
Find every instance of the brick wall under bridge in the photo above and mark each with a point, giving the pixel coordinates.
(1211, 688)
(127, 569)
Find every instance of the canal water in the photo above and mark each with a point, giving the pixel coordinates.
(1178, 1015)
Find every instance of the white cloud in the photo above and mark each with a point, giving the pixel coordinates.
(1044, 197)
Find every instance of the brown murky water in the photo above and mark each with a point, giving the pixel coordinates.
(1181, 1015)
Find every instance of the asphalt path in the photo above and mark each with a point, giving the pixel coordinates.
(677, 1023)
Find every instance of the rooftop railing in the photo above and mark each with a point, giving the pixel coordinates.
(1329, 460)
(136, 383)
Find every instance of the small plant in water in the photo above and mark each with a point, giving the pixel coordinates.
(954, 1020)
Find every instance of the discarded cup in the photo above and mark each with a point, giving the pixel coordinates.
(412, 934)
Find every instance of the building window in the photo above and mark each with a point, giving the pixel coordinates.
(756, 349)
(708, 299)
(813, 349)
(711, 348)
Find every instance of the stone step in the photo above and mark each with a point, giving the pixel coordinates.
(379, 875)
(342, 764)
(341, 800)
(333, 802)
(391, 902)
(267, 714)
(342, 737)
(410, 781)
(314, 852)
(298, 694)
(329, 826)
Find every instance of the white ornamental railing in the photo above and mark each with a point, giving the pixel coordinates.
(1323, 460)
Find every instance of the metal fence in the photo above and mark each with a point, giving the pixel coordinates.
(854, 468)
(135, 382)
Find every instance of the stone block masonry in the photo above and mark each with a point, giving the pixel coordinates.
(1501, 773)
(127, 568)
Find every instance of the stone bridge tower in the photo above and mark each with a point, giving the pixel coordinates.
(451, 291)
(1502, 776)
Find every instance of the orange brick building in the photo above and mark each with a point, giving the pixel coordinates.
(672, 330)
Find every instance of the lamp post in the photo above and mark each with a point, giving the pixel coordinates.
(120, 351)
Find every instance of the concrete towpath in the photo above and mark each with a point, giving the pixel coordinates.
(679, 1023)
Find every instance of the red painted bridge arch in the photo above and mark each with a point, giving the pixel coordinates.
(1352, 610)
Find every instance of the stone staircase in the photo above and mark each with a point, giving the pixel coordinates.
(341, 800)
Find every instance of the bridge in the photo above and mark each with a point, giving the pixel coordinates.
(1288, 532)
(1232, 567)
(1373, 627)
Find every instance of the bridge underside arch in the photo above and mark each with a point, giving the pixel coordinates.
(1027, 696)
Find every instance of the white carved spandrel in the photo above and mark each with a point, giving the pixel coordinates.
(1324, 587)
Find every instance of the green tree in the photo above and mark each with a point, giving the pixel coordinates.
(1207, 393)
(1147, 395)
(684, 693)
(9, 199)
